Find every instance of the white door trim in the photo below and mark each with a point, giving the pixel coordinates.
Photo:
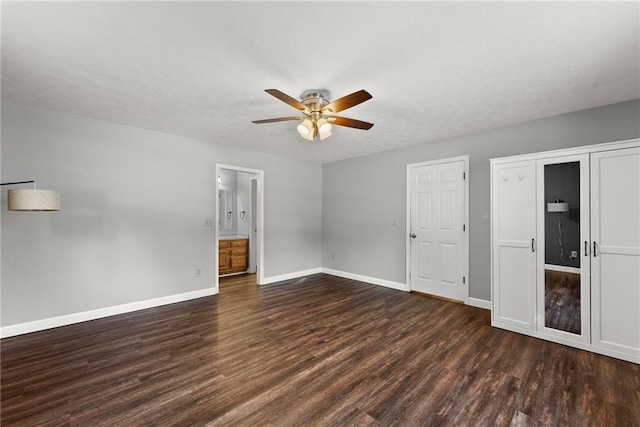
(411, 166)
(259, 220)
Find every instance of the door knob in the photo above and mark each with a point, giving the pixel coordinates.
(413, 235)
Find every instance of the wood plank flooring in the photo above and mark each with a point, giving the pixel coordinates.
(562, 301)
(315, 351)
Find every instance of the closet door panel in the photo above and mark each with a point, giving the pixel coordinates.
(563, 272)
(619, 296)
(615, 246)
(513, 228)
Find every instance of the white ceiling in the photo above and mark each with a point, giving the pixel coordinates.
(435, 70)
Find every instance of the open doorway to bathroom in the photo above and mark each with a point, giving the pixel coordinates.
(239, 223)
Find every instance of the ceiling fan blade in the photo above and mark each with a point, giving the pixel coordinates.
(288, 99)
(279, 119)
(348, 101)
(350, 123)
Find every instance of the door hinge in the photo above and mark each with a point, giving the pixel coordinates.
(464, 175)
(464, 279)
(464, 227)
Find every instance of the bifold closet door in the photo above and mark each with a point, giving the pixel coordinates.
(615, 250)
(514, 230)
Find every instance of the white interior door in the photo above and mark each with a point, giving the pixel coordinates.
(438, 253)
(615, 250)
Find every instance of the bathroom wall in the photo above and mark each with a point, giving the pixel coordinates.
(240, 184)
(243, 202)
(229, 182)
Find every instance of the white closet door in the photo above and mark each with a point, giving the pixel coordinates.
(564, 306)
(615, 250)
(513, 236)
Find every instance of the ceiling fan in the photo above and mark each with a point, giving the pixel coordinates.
(317, 112)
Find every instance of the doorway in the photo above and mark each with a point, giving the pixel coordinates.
(239, 219)
(437, 221)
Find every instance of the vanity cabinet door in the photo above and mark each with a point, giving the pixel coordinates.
(239, 255)
(224, 261)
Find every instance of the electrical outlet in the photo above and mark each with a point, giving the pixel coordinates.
(333, 257)
(208, 222)
(198, 272)
(394, 221)
(574, 254)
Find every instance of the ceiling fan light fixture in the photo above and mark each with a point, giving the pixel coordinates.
(305, 127)
(325, 135)
(324, 128)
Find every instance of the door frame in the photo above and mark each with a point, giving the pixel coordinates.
(410, 167)
(259, 177)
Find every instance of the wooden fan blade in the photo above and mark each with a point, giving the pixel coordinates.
(279, 119)
(350, 123)
(348, 101)
(289, 100)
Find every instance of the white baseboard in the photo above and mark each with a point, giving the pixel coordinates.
(68, 319)
(289, 276)
(474, 302)
(562, 268)
(480, 303)
(367, 279)
(54, 322)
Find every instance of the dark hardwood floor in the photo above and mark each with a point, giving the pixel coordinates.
(319, 350)
(562, 301)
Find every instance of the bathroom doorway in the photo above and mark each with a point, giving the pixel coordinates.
(239, 222)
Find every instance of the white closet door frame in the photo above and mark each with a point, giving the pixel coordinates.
(585, 270)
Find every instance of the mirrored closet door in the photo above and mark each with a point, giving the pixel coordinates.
(563, 300)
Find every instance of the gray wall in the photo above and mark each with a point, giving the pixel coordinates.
(362, 196)
(134, 202)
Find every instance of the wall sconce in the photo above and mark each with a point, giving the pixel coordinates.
(558, 206)
(31, 199)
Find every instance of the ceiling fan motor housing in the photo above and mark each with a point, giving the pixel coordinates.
(315, 99)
